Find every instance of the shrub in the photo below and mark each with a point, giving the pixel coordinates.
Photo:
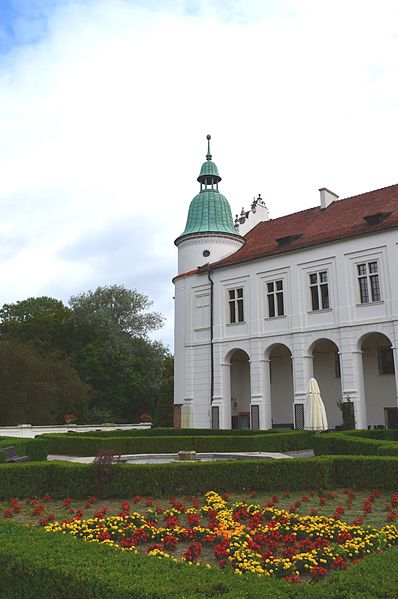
(36, 449)
(65, 479)
(31, 567)
(80, 445)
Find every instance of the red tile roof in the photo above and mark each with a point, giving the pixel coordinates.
(340, 220)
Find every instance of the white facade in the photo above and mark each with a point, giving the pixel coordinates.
(267, 361)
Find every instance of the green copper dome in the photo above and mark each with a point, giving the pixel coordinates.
(209, 211)
(209, 169)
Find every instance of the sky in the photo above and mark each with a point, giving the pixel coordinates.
(105, 106)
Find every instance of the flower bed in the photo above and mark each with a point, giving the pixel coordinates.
(241, 536)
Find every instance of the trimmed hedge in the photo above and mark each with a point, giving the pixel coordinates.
(384, 434)
(344, 444)
(169, 432)
(38, 564)
(36, 449)
(77, 445)
(66, 479)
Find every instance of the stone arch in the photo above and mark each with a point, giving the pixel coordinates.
(379, 376)
(279, 358)
(327, 371)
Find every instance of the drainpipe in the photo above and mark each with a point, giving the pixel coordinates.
(211, 337)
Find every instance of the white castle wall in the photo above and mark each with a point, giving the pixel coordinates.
(345, 323)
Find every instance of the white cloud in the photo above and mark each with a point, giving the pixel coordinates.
(104, 118)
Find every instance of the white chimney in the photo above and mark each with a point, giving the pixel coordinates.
(327, 197)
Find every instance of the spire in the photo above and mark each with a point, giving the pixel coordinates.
(209, 211)
(208, 155)
(209, 173)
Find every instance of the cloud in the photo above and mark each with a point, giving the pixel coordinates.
(105, 107)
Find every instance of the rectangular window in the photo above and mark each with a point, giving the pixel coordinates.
(275, 299)
(202, 311)
(337, 367)
(255, 417)
(386, 360)
(369, 284)
(236, 305)
(319, 289)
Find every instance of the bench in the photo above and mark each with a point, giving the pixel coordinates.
(11, 454)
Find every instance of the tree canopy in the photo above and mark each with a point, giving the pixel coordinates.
(99, 343)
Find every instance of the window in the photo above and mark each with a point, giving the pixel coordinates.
(386, 360)
(369, 285)
(337, 366)
(275, 299)
(319, 290)
(236, 305)
(202, 311)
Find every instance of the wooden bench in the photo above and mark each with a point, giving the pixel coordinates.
(11, 454)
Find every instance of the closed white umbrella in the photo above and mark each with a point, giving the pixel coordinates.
(317, 419)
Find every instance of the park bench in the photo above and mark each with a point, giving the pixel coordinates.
(11, 454)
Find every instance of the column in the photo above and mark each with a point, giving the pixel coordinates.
(352, 383)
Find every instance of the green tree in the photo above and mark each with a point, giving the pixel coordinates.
(163, 415)
(43, 320)
(115, 310)
(37, 389)
(104, 335)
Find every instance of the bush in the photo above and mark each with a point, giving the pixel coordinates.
(341, 443)
(36, 564)
(36, 449)
(66, 479)
(79, 445)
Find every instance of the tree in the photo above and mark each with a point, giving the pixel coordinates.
(115, 310)
(163, 415)
(37, 389)
(104, 336)
(43, 320)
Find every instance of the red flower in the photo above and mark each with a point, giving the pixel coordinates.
(170, 542)
(317, 572)
(367, 507)
(38, 509)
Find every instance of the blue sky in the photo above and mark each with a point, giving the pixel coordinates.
(105, 106)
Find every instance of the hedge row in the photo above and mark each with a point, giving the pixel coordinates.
(349, 444)
(385, 434)
(36, 449)
(170, 432)
(37, 564)
(89, 446)
(65, 479)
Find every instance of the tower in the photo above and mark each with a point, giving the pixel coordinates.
(209, 234)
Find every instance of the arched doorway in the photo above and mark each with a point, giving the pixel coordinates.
(240, 389)
(379, 378)
(326, 363)
(281, 381)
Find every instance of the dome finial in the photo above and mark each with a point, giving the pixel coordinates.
(208, 155)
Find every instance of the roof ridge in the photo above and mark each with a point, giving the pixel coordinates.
(358, 195)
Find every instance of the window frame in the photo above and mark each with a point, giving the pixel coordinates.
(236, 304)
(276, 298)
(386, 366)
(365, 282)
(317, 295)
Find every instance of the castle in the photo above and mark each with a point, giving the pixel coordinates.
(262, 305)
